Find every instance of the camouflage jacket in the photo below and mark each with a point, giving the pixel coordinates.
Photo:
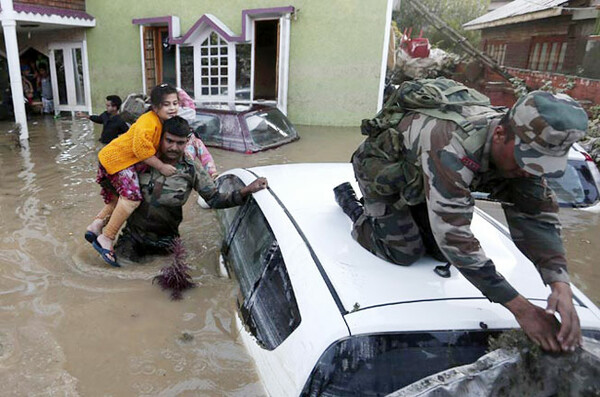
(423, 159)
(156, 221)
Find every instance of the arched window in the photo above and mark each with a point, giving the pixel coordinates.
(213, 66)
(214, 60)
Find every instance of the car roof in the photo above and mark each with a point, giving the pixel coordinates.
(359, 277)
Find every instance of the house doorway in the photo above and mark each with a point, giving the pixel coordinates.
(266, 56)
(159, 57)
(69, 76)
(32, 61)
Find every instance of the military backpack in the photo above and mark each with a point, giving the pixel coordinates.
(440, 98)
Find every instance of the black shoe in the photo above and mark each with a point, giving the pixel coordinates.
(346, 198)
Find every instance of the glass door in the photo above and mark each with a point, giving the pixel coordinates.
(68, 74)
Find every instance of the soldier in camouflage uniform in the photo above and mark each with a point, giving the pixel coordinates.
(427, 160)
(154, 225)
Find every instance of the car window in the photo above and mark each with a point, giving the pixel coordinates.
(249, 247)
(576, 187)
(269, 127)
(267, 302)
(207, 127)
(376, 365)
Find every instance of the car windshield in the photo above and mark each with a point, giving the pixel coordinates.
(269, 127)
(376, 365)
(576, 187)
(207, 127)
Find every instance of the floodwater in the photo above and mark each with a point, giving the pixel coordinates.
(71, 325)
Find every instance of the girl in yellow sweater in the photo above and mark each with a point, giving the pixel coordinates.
(117, 173)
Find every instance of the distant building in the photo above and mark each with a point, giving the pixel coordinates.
(497, 4)
(546, 40)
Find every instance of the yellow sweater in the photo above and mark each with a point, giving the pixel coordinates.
(140, 142)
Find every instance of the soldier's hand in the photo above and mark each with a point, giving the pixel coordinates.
(561, 301)
(167, 169)
(258, 184)
(255, 186)
(540, 326)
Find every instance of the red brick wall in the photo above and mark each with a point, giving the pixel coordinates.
(78, 5)
(587, 91)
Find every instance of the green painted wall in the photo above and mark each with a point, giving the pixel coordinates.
(335, 51)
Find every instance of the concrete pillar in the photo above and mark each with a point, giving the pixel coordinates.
(9, 27)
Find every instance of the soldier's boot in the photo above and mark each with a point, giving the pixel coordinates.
(346, 198)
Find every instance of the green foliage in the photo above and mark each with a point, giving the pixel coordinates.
(521, 89)
(594, 125)
(595, 112)
(548, 86)
(454, 13)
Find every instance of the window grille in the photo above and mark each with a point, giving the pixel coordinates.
(213, 66)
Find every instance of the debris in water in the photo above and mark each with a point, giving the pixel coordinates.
(186, 337)
(515, 366)
(175, 276)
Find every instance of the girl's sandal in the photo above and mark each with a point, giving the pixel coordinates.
(109, 256)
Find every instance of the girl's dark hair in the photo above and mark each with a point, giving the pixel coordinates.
(177, 126)
(159, 92)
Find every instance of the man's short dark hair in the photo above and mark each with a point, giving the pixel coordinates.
(115, 100)
(177, 126)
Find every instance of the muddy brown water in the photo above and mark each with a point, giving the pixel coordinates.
(70, 325)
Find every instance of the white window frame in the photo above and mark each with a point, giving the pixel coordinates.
(282, 61)
(67, 48)
(201, 33)
(231, 66)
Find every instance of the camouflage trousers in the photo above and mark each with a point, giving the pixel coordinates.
(401, 236)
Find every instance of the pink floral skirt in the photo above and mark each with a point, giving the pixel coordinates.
(123, 183)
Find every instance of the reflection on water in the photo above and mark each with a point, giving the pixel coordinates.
(71, 325)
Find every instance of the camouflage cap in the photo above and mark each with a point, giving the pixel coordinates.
(545, 126)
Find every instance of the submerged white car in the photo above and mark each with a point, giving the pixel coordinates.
(321, 316)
